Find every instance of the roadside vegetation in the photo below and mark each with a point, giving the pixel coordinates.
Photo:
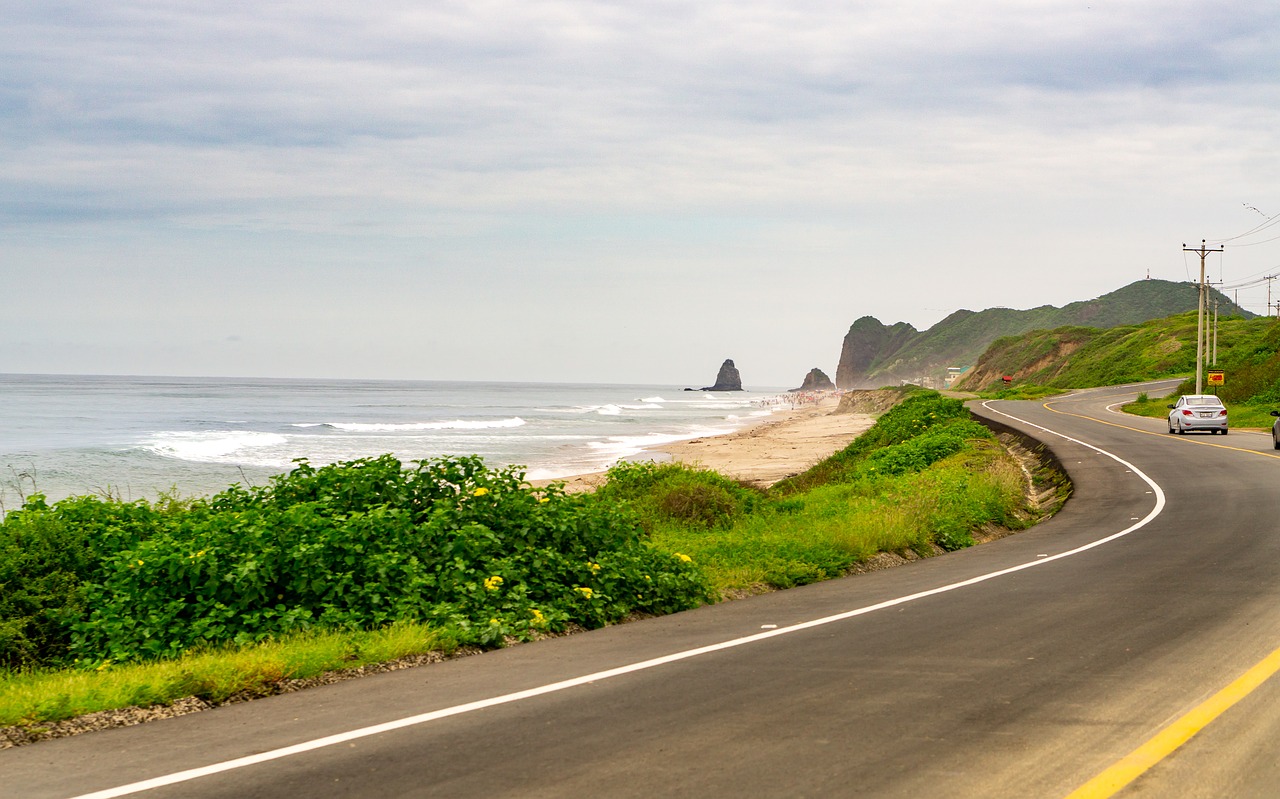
(1049, 361)
(1082, 357)
(105, 604)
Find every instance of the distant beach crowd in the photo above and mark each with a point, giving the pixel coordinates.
(797, 399)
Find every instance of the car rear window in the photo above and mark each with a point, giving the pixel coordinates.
(1214, 401)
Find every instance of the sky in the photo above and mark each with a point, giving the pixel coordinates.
(607, 192)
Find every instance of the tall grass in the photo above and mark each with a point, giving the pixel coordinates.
(834, 527)
(33, 696)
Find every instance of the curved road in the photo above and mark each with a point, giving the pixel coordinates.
(1028, 666)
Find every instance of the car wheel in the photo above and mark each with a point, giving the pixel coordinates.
(1182, 431)
(1224, 431)
(1276, 440)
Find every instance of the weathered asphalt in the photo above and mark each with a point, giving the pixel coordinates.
(1024, 684)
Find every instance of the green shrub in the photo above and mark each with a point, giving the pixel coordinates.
(884, 447)
(355, 545)
(670, 493)
(47, 554)
(921, 452)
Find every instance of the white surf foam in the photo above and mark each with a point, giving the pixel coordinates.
(455, 424)
(218, 446)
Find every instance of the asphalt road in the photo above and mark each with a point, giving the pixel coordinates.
(1022, 667)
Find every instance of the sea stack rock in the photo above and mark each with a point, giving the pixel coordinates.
(816, 380)
(727, 380)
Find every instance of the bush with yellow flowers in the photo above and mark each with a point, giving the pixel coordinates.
(353, 545)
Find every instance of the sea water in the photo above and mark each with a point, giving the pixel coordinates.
(138, 437)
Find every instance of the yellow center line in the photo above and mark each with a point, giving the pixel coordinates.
(1158, 435)
(1168, 740)
(1165, 742)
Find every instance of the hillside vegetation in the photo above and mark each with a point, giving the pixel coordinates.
(1079, 357)
(873, 354)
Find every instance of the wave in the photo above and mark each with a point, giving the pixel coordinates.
(610, 409)
(623, 446)
(455, 424)
(216, 446)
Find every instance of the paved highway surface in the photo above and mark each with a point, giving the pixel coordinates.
(1023, 667)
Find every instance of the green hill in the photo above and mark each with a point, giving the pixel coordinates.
(874, 354)
(1079, 357)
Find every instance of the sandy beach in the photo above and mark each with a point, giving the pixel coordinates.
(781, 445)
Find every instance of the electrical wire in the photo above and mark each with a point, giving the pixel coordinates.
(1270, 220)
(1256, 243)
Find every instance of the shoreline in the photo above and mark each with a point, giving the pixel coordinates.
(760, 454)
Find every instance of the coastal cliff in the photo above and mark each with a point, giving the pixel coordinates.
(874, 354)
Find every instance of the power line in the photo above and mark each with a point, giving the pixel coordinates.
(1270, 220)
(1256, 243)
(1203, 252)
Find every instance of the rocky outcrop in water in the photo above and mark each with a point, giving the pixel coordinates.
(728, 379)
(816, 380)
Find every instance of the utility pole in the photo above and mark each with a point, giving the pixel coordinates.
(1269, 278)
(1215, 331)
(1203, 252)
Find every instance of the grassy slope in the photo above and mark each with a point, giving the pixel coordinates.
(1077, 357)
(839, 525)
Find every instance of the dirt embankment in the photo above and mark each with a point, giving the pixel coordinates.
(873, 401)
(988, 373)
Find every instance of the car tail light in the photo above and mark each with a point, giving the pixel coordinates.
(1223, 412)
(1187, 413)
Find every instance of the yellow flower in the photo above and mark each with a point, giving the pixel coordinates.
(493, 621)
(480, 492)
(544, 499)
(492, 583)
(538, 618)
(595, 567)
(587, 593)
(684, 557)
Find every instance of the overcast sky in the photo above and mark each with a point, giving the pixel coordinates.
(601, 191)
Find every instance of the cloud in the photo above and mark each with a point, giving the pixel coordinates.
(576, 154)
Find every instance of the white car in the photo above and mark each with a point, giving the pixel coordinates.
(1198, 412)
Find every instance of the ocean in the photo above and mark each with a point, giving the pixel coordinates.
(137, 437)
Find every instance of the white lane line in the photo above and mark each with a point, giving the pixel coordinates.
(423, 718)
